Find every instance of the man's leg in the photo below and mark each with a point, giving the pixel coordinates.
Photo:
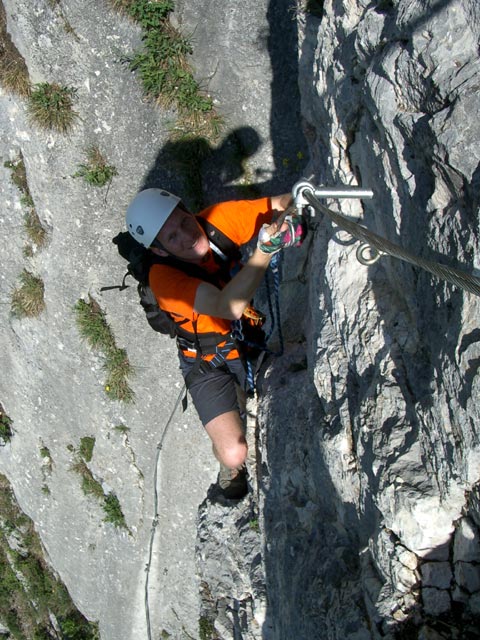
(215, 398)
(228, 439)
(230, 448)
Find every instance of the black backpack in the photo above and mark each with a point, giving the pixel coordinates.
(140, 260)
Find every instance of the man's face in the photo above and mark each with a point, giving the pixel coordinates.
(182, 236)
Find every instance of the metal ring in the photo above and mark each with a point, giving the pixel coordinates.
(368, 255)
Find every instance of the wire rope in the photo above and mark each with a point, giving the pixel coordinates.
(459, 278)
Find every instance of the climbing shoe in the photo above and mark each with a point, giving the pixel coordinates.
(233, 482)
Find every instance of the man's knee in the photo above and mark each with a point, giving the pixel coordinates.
(234, 456)
(229, 444)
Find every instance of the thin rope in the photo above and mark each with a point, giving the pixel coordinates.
(156, 514)
(461, 279)
(275, 265)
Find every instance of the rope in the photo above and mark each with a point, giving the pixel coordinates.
(456, 277)
(155, 517)
(275, 265)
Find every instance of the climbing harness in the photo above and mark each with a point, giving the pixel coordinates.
(372, 246)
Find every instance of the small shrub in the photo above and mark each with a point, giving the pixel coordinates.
(29, 592)
(96, 172)
(254, 525)
(32, 225)
(93, 325)
(121, 428)
(45, 452)
(164, 71)
(206, 628)
(113, 511)
(27, 300)
(90, 486)
(47, 460)
(13, 70)
(94, 329)
(6, 432)
(75, 627)
(150, 15)
(34, 229)
(86, 447)
(51, 106)
(18, 173)
(118, 370)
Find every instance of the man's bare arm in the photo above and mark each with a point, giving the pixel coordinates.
(232, 300)
(280, 203)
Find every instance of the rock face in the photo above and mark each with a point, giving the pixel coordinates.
(369, 458)
(363, 520)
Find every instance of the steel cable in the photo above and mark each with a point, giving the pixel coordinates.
(456, 277)
(156, 514)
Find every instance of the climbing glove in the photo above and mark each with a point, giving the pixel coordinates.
(293, 236)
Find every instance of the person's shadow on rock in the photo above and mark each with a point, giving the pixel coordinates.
(203, 174)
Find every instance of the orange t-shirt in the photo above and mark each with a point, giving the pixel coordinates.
(175, 291)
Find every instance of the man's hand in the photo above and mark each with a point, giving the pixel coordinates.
(289, 230)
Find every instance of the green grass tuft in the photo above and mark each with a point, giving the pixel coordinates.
(206, 628)
(29, 592)
(50, 106)
(121, 428)
(164, 71)
(113, 511)
(86, 448)
(92, 487)
(6, 431)
(14, 76)
(32, 225)
(28, 299)
(96, 172)
(95, 330)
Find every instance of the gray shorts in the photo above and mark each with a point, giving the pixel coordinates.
(214, 392)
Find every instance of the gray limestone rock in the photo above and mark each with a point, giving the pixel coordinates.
(467, 576)
(435, 601)
(365, 453)
(466, 546)
(436, 574)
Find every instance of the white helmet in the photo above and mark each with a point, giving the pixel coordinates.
(148, 212)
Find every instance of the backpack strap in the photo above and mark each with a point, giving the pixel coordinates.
(223, 246)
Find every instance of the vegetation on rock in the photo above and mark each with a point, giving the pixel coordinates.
(95, 330)
(6, 431)
(13, 70)
(92, 487)
(96, 172)
(33, 602)
(34, 229)
(28, 299)
(165, 72)
(50, 106)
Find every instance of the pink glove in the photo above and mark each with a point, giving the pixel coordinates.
(293, 236)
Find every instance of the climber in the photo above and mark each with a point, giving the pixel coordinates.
(191, 283)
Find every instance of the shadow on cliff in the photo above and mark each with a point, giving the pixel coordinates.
(312, 534)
